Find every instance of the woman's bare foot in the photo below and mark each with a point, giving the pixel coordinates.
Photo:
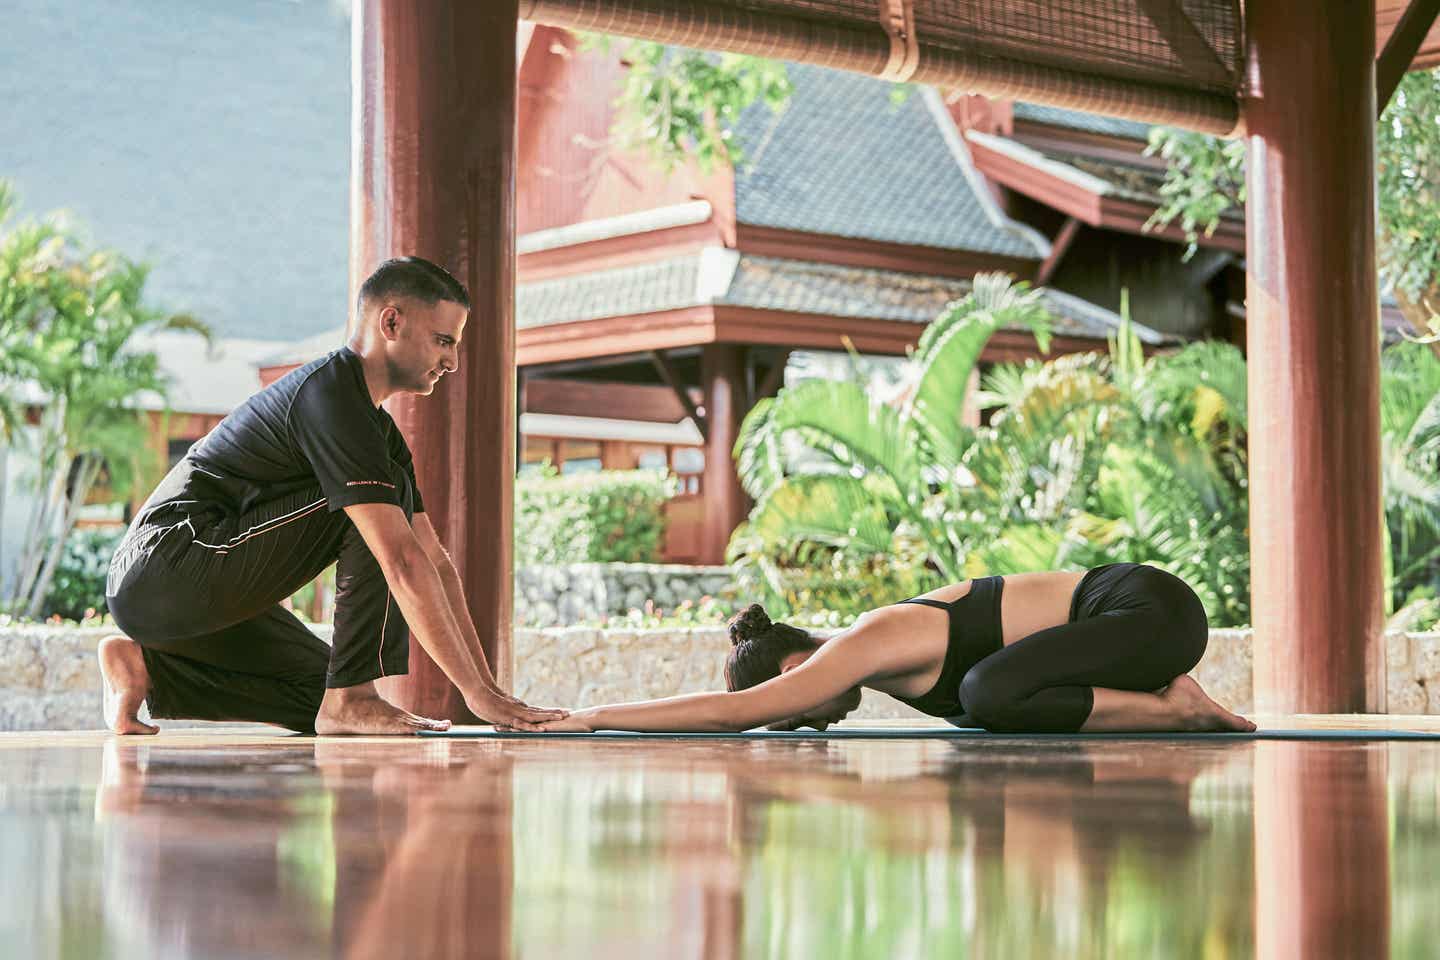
(1199, 711)
(126, 684)
(360, 710)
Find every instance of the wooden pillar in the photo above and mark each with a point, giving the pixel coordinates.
(1322, 851)
(1312, 314)
(433, 141)
(722, 374)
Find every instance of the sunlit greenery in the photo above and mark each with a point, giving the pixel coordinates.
(1086, 459)
(612, 515)
(679, 104)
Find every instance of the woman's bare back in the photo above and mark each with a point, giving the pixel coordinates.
(1030, 602)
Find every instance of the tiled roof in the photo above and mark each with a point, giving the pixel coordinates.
(665, 285)
(1086, 122)
(1124, 180)
(769, 283)
(846, 159)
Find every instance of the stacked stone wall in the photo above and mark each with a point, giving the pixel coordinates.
(50, 680)
(547, 596)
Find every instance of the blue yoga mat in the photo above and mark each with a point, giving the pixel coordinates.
(935, 733)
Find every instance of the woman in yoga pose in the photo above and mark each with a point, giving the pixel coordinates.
(1104, 650)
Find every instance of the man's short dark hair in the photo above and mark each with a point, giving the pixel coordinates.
(412, 277)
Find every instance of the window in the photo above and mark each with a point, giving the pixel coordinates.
(650, 458)
(689, 466)
(579, 456)
(537, 450)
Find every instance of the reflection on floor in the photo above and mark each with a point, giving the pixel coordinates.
(229, 844)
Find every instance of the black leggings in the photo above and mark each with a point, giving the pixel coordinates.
(1131, 627)
(202, 598)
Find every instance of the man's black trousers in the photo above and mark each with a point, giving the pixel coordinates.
(202, 598)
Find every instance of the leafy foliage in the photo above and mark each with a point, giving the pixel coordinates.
(1410, 471)
(591, 517)
(77, 591)
(1407, 162)
(679, 103)
(1205, 178)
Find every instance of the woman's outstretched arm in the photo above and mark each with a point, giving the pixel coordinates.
(839, 665)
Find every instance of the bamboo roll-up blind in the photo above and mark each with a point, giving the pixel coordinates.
(1160, 61)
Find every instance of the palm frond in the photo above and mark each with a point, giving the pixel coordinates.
(843, 424)
(835, 510)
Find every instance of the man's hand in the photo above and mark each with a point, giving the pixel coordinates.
(498, 707)
(581, 721)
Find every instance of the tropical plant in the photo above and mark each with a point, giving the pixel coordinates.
(609, 516)
(77, 590)
(1410, 474)
(69, 318)
(828, 464)
(1095, 458)
(1087, 458)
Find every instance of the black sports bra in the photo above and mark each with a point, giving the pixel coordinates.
(974, 634)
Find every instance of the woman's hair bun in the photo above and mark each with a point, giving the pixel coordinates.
(749, 623)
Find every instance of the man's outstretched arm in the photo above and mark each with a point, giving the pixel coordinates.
(454, 591)
(435, 618)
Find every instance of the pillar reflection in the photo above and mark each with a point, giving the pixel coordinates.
(422, 849)
(1322, 851)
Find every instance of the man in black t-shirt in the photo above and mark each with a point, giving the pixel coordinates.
(308, 472)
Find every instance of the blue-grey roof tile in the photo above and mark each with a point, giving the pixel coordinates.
(619, 292)
(845, 159)
(1078, 120)
(771, 283)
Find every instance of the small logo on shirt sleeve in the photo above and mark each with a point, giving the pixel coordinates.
(369, 483)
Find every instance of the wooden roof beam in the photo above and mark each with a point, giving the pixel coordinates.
(1169, 19)
(1401, 48)
(672, 380)
(1063, 238)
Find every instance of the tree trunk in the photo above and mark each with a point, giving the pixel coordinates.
(89, 470)
(31, 545)
(41, 520)
(1419, 314)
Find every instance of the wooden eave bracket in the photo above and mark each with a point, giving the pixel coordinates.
(1400, 49)
(1185, 40)
(672, 380)
(897, 17)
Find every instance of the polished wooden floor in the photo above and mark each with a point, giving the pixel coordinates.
(230, 843)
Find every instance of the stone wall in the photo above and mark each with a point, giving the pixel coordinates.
(575, 593)
(49, 679)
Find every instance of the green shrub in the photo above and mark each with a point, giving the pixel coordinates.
(610, 516)
(823, 585)
(78, 588)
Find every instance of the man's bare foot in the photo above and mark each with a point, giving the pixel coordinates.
(126, 684)
(360, 710)
(1199, 711)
